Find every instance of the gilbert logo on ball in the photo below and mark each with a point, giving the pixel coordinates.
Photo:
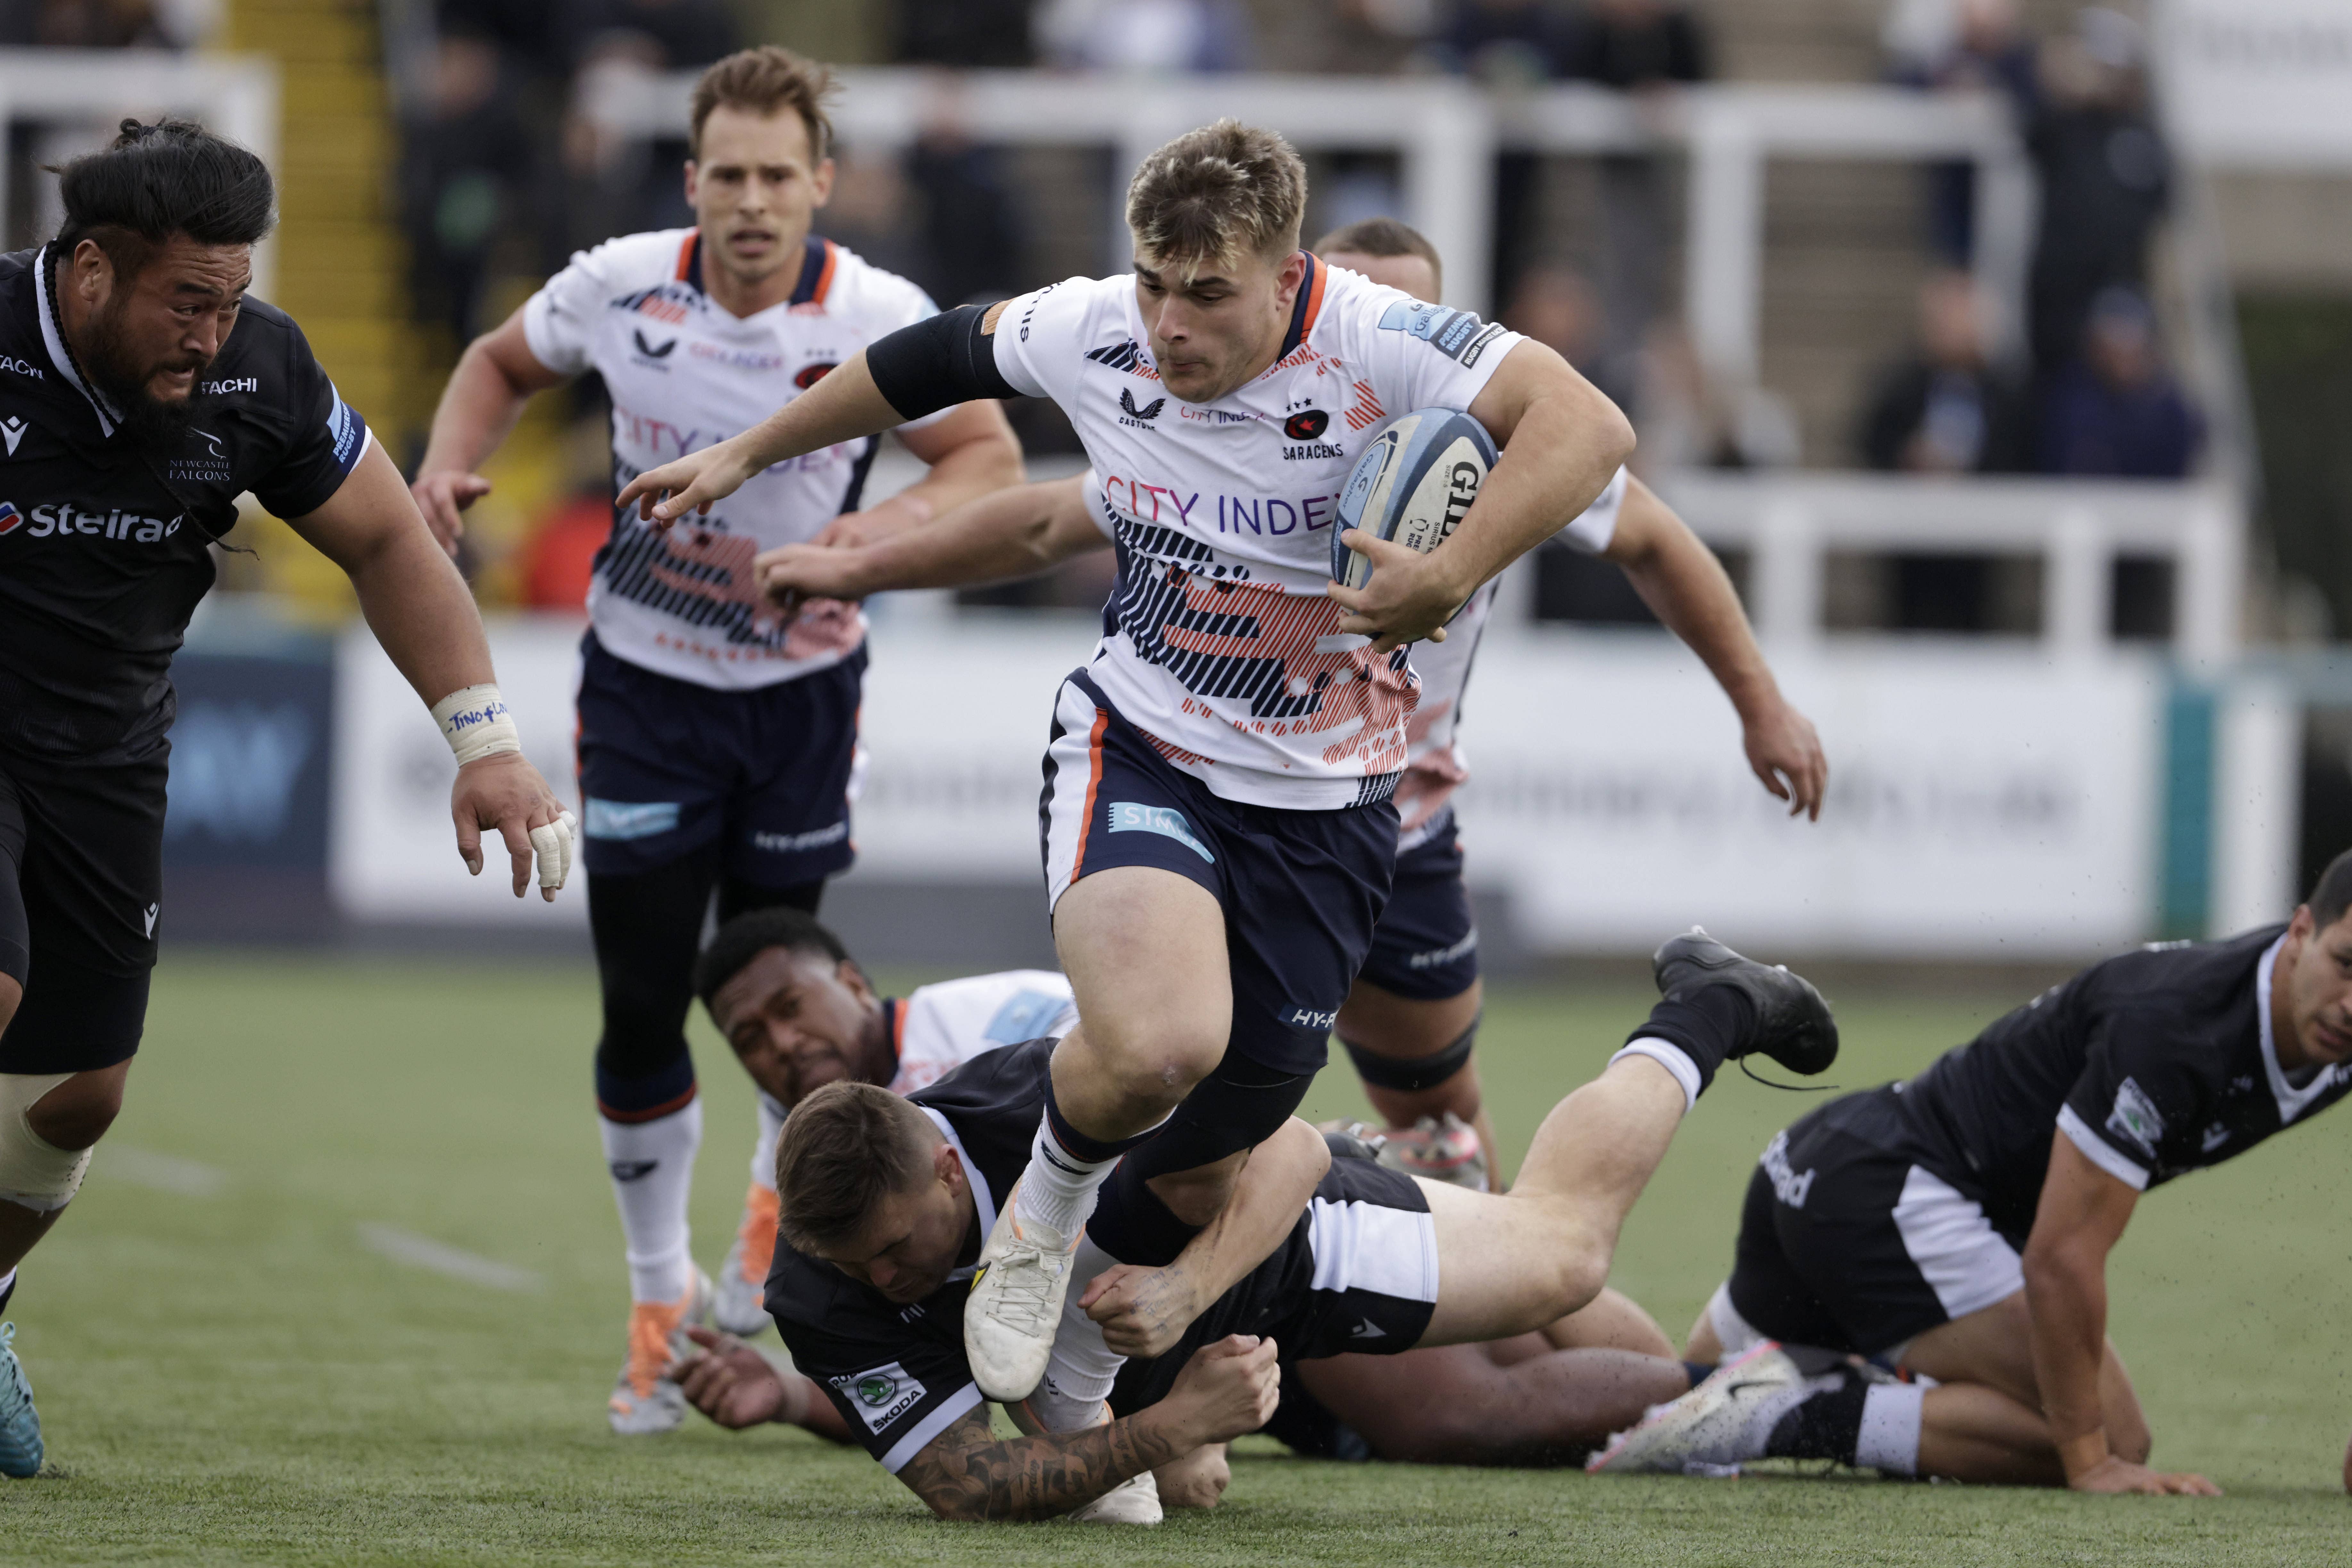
(1413, 484)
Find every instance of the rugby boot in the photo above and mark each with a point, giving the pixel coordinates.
(20, 1423)
(741, 1307)
(1016, 1304)
(1714, 1429)
(1794, 1026)
(1135, 1500)
(1443, 1149)
(643, 1401)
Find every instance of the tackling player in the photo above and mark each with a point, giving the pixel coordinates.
(1218, 831)
(800, 1013)
(717, 743)
(1957, 1225)
(886, 1201)
(1412, 1013)
(140, 393)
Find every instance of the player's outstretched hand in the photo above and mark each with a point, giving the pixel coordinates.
(1143, 1311)
(505, 794)
(693, 483)
(732, 1383)
(2114, 1475)
(443, 498)
(1406, 598)
(1227, 1389)
(791, 574)
(1786, 755)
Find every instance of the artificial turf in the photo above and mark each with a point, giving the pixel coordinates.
(230, 1372)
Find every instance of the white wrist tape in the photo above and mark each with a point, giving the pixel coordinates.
(34, 1173)
(477, 723)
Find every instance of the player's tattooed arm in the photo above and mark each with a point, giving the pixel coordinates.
(969, 1473)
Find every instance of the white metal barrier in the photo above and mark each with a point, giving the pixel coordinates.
(236, 95)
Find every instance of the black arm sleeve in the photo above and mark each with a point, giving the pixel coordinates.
(937, 362)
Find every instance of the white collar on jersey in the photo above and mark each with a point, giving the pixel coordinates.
(108, 416)
(980, 1193)
(2292, 1102)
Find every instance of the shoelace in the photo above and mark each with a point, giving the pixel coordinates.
(1024, 1280)
(648, 1350)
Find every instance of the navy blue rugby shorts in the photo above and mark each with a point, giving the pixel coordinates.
(1426, 946)
(1301, 889)
(668, 766)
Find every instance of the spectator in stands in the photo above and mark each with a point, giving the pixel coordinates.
(1647, 48)
(966, 32)
(620, 186)
(1557, 305)
(466, 160)
(2117, 411)
(1945, 46)
(668, 35)
(1357, 38)
(1157, 36)
(1510, 42)
(1944, 407)
(2106, 175)
(92, 25)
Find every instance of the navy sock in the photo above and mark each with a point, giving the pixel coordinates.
(1825, 1426)
(1698, 1371)
(1709, 1023)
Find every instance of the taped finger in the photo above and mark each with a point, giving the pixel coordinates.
(551, 844)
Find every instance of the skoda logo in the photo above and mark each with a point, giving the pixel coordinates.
(1307, 425)
(875, 1390)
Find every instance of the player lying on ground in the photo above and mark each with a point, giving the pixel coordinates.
(146, 394)
(886, 1202)
(716, 741)
(800, 1013)
(1220, 835)
(1957, 1225)
(1410, 1014)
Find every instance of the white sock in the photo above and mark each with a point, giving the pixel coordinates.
(7, 1280)
(1079, 1372)
(1891, 1417)
(763, 1152)
(1057, 1190)
(1671, 1058)
(653, 1175)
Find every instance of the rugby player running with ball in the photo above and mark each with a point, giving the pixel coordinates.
(140, 393)
(1219, 834)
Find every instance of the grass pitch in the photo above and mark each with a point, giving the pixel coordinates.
(248, 1346)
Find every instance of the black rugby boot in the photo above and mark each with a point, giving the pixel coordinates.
(1792, 1023)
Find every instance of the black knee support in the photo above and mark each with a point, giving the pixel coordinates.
(1409, 1074)
(1238, 1106)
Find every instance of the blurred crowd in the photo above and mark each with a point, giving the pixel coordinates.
(502, 176)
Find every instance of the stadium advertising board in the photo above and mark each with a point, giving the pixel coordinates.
(1984, 803)
(245, 836)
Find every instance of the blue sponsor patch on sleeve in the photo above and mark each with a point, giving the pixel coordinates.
(1025, 1015)
(1459, 336)
(1132, 817)
(346, 430)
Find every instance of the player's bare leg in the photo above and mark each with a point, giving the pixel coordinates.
(69, 1118)
(1981, 1423)
(1145, 953)
(1377, 1022)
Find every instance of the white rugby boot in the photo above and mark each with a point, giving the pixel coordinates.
(643, 1401)
(20, 1423)
(1717, 1426)
(741, 1307)
(1016, 1304)
(1443, 1149)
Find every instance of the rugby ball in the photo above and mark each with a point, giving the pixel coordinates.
(1412, 484)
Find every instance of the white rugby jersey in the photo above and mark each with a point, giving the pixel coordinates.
(1436, 765)
(936, 1029)
(685, 373)
(1218, 642)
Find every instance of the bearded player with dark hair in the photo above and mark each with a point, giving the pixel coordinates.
(140, 393)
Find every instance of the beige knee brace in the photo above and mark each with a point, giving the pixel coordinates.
(34, 1173)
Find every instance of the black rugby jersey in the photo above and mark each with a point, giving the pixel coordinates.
(2154, 1063)
(898, 1373)
(105, 546)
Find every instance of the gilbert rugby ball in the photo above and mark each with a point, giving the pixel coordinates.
(1412, 484)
